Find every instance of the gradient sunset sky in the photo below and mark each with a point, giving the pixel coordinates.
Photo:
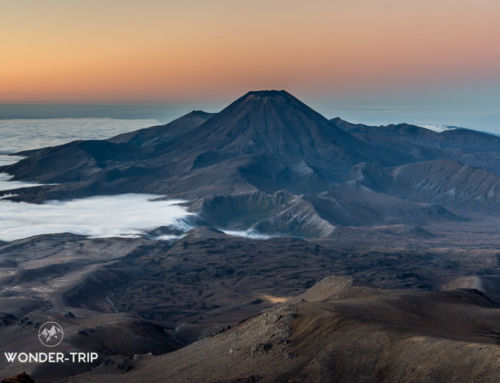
(440, 54)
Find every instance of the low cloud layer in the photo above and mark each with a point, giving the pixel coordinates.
(251, 234)
(105, 216)
(438, 128)
(9, 160)
(18, 135)
(7, 184)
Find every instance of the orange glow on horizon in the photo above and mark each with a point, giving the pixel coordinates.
(150, 50)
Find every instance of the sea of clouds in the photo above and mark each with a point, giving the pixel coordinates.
(17, 134)
(125, 215)
(7, 184)
(101, 216)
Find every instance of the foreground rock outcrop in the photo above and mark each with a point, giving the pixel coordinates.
(21, 378)
(343, 332)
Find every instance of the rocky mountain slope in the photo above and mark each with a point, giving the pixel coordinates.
(270, 163)
(341, 331)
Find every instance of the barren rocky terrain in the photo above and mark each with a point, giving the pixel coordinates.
(165, 295)
(377, 260)
(341, 331)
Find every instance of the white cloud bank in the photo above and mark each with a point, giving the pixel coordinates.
(438, 128)
(125, 215)
(18, 135)
(9, 160)
(251, 234)
(7, 184)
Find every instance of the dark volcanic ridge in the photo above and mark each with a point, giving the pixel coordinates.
(270, 163)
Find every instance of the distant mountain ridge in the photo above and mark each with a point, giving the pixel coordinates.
(415, 143)
(271, 163)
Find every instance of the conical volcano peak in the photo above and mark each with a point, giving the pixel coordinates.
(275, 124)
(254, 100)
(267, 93)
(264, 95)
